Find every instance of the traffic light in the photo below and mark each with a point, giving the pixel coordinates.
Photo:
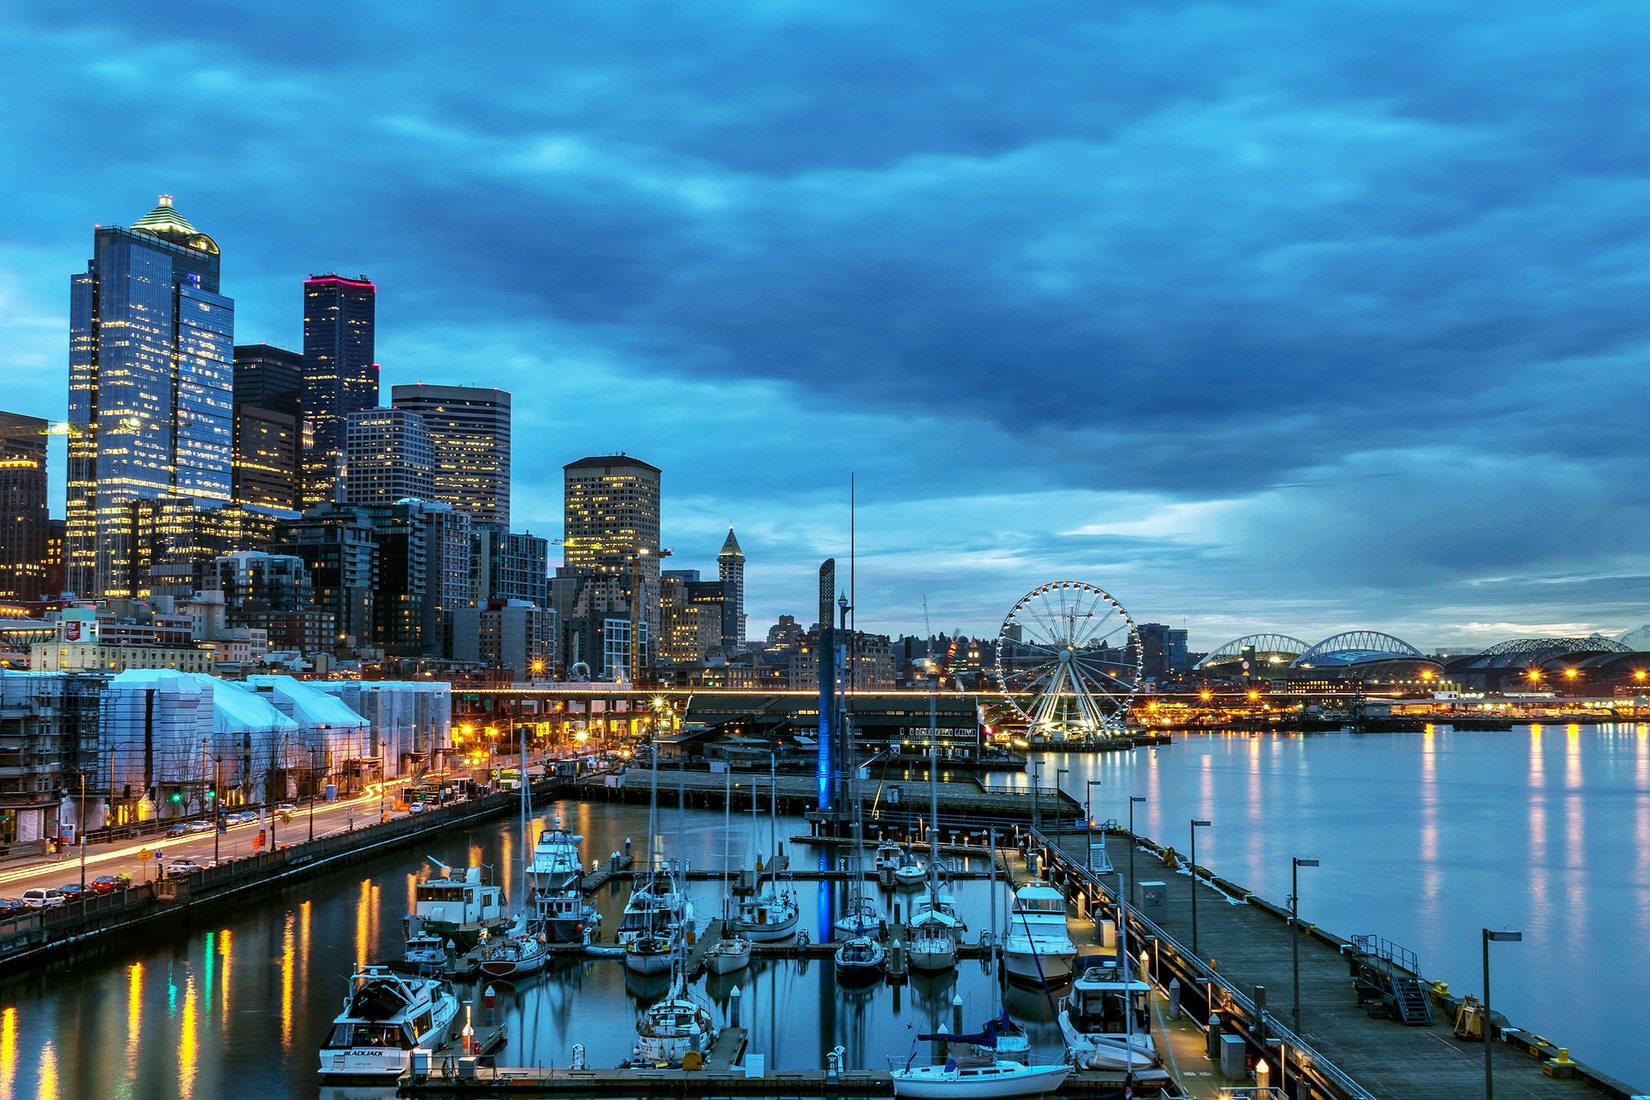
(177, 796)
(211, 792)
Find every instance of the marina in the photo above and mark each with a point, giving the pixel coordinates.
(792, 1010)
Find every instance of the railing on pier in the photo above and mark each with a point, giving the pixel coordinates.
(1258, 1026)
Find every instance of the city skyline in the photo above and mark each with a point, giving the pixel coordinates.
(1132, 366)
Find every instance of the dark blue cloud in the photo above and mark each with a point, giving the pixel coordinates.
(1034, 271)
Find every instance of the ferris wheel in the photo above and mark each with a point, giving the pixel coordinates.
(1069, 661)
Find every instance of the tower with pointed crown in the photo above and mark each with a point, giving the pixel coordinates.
(730, 566)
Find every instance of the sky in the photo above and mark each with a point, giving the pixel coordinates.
(1261, 316)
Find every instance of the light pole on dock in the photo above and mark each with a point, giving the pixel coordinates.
(1499, 937)
(1295, 866)
(1088, 817)
(1197, 823)
(1133, 843)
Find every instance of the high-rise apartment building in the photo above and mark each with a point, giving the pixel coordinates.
(470, 432)
(610, 512)
(423, 572)
(269, 377)
(339, 548)
(730, 567)
(151, 351)
(387, 457)
(23, 520)
(506, 565)
(340, 372)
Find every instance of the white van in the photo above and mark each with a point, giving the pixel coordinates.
(42, 897)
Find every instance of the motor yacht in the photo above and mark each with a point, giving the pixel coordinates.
(386, 1016)
(1037, 949)
(1106, 1020)
(457, 907)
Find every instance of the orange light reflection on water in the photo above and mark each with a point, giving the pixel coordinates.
(286, 984)
(223, 974)
(362, 923)
(134, 1013)
(187, 1042)
(8, 1053)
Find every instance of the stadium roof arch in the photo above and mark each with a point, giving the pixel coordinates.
(1279, 649)
(1351, 648)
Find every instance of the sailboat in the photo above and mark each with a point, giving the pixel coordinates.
(656, 907)
(772, 914)
(521, 950)
(935, 927)
(978, 1077)
(732, 951)
(1001, 1037)
(675, 1025)
(860, 958)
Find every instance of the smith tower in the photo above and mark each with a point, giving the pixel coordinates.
(151, 362)
(340, 374)
(730, 569)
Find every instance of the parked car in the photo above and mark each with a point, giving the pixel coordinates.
(178, 868)
(105, 884)
(12, 907)
(43, 897)
(180, 829)
(200, 826)
(245, 817)
(73, 890)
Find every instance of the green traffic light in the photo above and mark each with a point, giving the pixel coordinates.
(176, 797)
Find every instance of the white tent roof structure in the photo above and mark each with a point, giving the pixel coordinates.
(307, 705)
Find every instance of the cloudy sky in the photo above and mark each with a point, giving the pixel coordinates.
(1292, 316)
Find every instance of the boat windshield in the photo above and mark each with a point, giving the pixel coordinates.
(1039, 905)
(369, 1035)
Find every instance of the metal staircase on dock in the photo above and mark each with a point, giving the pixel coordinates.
(1388, 975)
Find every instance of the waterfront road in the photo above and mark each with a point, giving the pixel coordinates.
(123, 856)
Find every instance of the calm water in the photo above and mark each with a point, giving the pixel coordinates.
(1426, 839)
(242, 1006)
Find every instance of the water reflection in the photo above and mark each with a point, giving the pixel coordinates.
(187, 1040)
(8, 1053)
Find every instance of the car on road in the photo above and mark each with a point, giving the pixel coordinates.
(286, 808)
(417, 808)
(73, 890)
(181, 867)
(43, 897)
(105, 884)
(200, 826)
(245, 817)
(12, 907)
(180, 829)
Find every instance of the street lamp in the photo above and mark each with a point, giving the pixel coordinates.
(1133, 840)
(1197, 823)
(1088, 815)
(1295, 866)
(1036, 794)
(1499, 937)
(1059, 785)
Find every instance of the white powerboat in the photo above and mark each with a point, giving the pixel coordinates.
(426, 953)
(860, 960)
(909, 875)
(1106, 1020)
(1037, 949)
(888, 859)
(457, 907)
(769, 917)
(978, 1077)
(565, 916)
(728, 954)
(668, 1030)
(556, 863)
(386, 1017)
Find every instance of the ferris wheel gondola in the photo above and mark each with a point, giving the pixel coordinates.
(1069, 661)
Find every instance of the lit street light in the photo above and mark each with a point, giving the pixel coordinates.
(1197, 823)
(1295, 866)
(1088, 815)
(1499, 937)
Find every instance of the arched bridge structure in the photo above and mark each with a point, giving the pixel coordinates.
(1356, 647)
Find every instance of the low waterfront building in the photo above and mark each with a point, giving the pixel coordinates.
(410, 723)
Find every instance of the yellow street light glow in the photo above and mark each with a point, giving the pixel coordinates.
(1639, 675)
(1569, 674)
(1206, 695)
(1253, 695)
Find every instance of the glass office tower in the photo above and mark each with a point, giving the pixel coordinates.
(151, 361)
(340, 374)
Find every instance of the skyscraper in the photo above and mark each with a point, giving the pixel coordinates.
(151, 348)
(268, 447)
(340, 373)
(470, 432)
(610, 513)
(388, 457)
(730, 567)
(23, 520)
(269, 377)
